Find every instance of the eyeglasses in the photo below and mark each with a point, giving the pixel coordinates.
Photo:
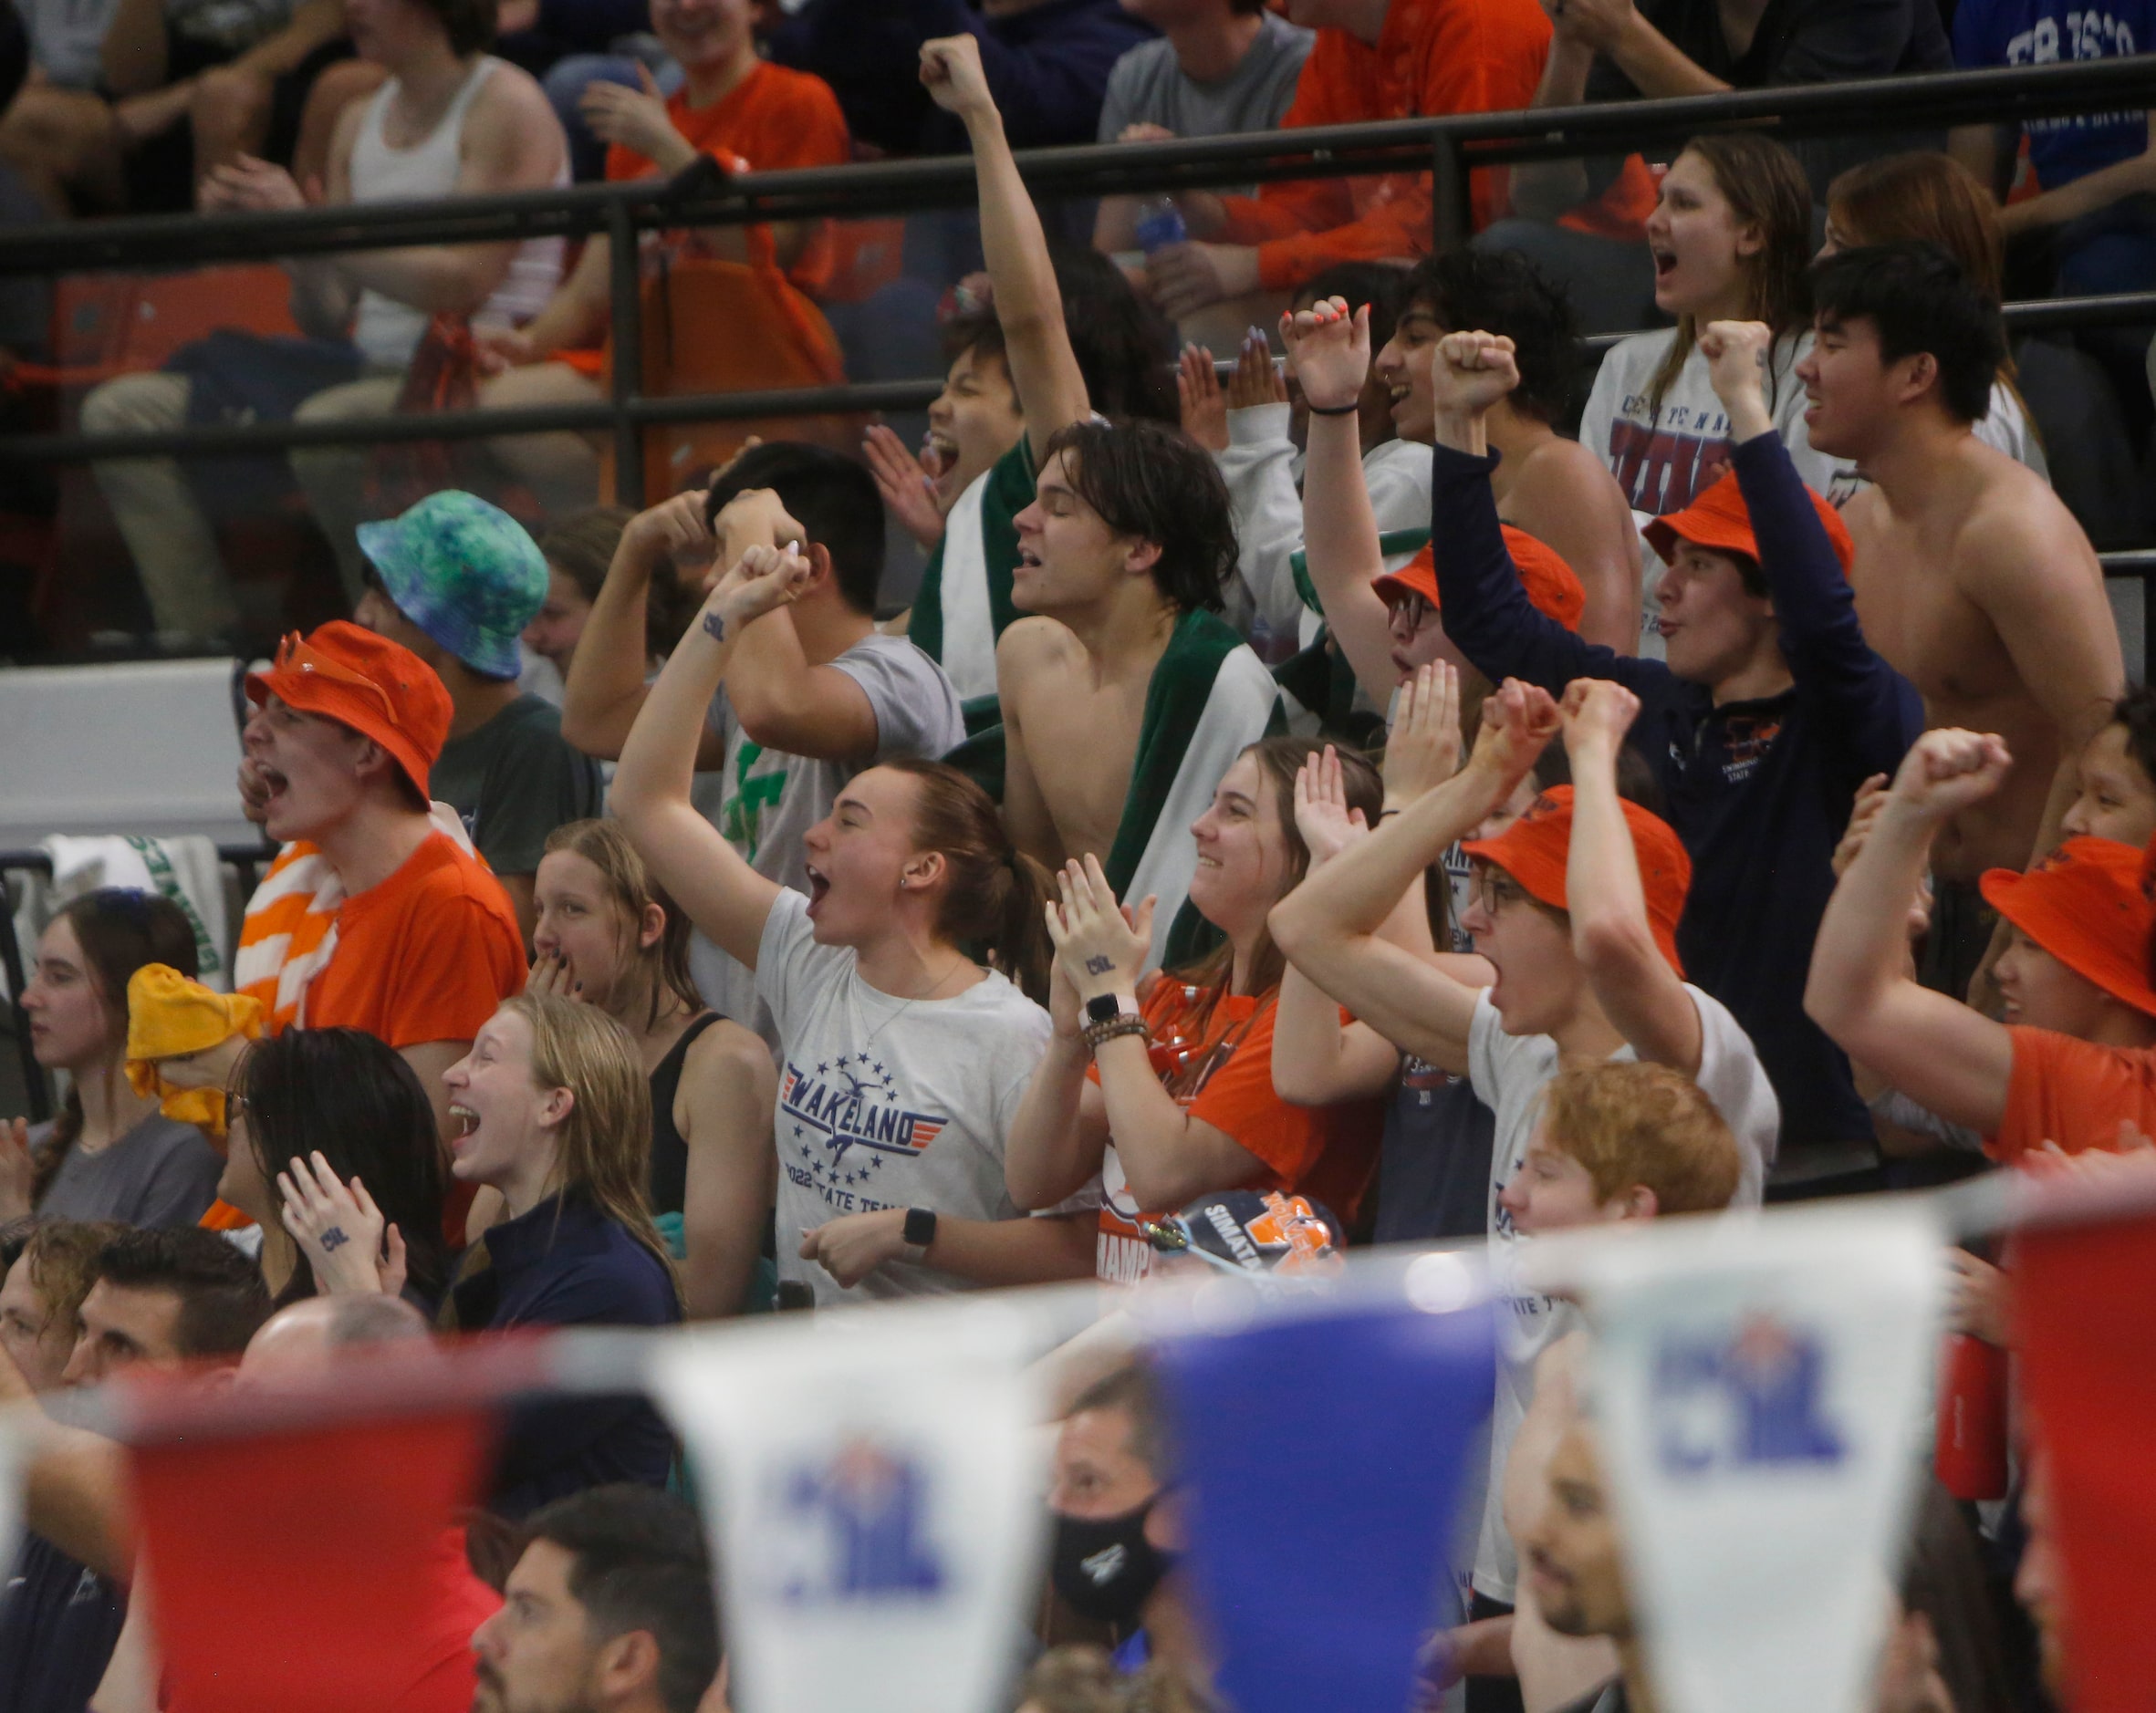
(1494, 889)
(295, 653)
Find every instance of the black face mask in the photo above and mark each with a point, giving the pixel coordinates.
(1106, 1568)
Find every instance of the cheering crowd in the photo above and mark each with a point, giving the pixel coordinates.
(1324, 805)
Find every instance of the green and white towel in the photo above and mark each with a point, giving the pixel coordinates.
(1210, 699)
(964, 604)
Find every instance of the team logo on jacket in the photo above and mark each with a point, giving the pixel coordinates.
(853, 1526)
(1749, 1402)
(828, 1111)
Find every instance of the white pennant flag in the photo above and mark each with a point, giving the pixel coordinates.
(1759, 1390)
(874, 1483)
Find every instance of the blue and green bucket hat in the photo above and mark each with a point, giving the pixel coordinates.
(465, 572)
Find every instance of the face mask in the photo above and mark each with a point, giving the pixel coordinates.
(1106, 1568)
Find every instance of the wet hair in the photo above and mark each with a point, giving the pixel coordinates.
(1279, 760)
(1500, 291)
(639, 1561)
(1122, 344)
(357, 1101)
(604, 1144)
(1765, 187)
(2136, 710)
(996, 896)
(470, 24)
(119, 929)
(1377, 283)
(1131, 1392)
(222, 1300)
(631, 887)
(62, 1255)
(1920, 301)
(1151, 482)
(830, 496)
(1643, 1125)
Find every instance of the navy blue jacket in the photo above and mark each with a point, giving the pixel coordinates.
(1047, 66)
(564, 1264)
(1759, 791)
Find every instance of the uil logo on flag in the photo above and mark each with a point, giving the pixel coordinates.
(1744, 1402)
(854, 1522)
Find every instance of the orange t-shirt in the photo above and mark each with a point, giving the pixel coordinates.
(1324, 1152)
(772, 119)
(426, 955)
(1433, 58)
(2073, 1093)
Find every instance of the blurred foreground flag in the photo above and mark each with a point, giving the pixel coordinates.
(315, 1569)
(2085, 1321)
(873, 1486)
(1323, 1449)
(1761, 1389)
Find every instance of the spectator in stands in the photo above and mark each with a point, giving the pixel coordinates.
(455, 580)
(111, 1154)
(1769, 680)
(814, 692)
(154, 1299)
(910, 866)
(1374, 59)
(1220, 67)
(556, 1113)
(1729, 236)
(609, 937)
(1924, 197)
(577, 549)
(2116, 776)
(1047, 63)
(1972, 578)
(2070, 1065)
(50, 1272)
(1575, 1566)
(336, 1103)
(1119, 1528)
(1155, 1139)
(609, 1606)
(746, 115)
(451, 120)
(1072, 338)
(1617, 50)
(373, 917)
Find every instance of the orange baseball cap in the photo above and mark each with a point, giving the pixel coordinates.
(2084, 905)
(1720, 519)
(375, 686)
(1550, 583)
(1534, 849)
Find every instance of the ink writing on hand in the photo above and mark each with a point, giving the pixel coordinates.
(334, 1238)
(1097, 965)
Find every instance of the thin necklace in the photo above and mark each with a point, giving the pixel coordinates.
(907, 1004)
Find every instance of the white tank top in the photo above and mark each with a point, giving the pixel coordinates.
(387, 332)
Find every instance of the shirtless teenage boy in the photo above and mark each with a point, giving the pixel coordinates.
(1972, 578)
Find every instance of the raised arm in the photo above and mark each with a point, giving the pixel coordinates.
(1059, 1134)
(1328, 927)
(606, 688)
(1610, 936)
(1044, 369)
(723, 895)
(1328, 351)
(1954, 1061)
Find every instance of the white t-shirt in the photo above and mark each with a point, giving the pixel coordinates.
(1665, 459)
(1509, 1074)
(765, 801)
(885, 1102)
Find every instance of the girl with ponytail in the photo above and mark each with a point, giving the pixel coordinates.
(896, 985)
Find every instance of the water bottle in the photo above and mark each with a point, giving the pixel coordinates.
(1969, 1452)
(1160, 225)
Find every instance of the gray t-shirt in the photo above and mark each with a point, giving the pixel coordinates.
(161, 1173)
(514, 779)
(765, 801)
(885, 1102)
(1148, 88)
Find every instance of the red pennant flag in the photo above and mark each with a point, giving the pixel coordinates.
(313, 1569)
(2085, 1305)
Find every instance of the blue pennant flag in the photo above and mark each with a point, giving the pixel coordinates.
(1324, 1456)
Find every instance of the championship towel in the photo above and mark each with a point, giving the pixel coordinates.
(186, 871)
(964, 604)
(1210, 699)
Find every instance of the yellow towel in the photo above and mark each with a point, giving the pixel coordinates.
(168, 1016)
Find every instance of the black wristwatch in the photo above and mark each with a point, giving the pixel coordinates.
(1105, 1008)
(919, 1230)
